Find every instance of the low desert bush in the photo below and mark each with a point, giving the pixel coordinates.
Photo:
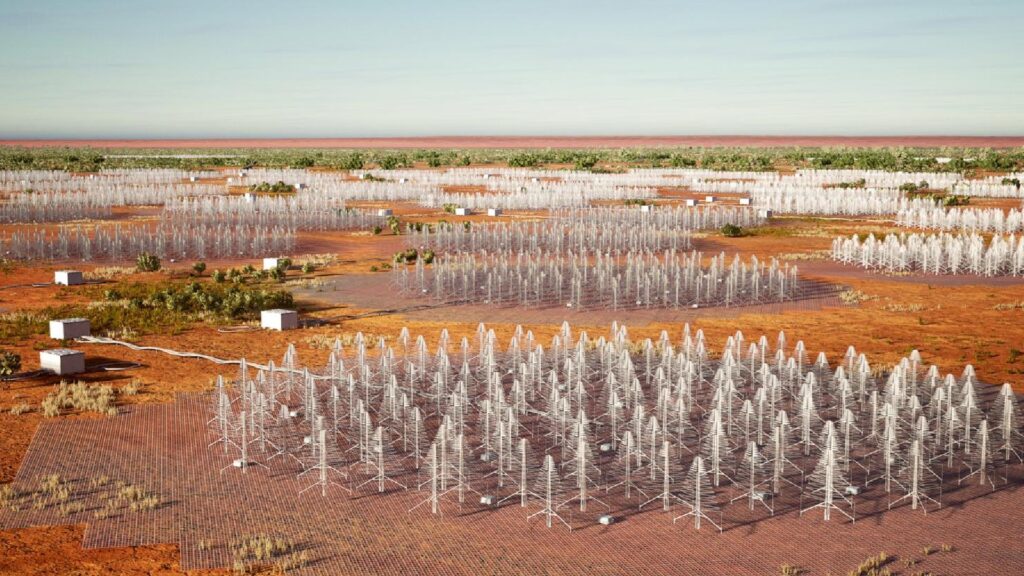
(10, 363)
(732, 231)
(147, 263)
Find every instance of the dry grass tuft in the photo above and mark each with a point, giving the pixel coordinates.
(812, 255)
(109, 272)
(260, 551)
(855, 297)
(874, 566)
(81, 397)
(326, 341)
(896, 307)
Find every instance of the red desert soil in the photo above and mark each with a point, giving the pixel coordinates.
(545, 142)
(952, 322)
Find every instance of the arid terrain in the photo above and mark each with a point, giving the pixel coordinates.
(545, 142)
(952, 320)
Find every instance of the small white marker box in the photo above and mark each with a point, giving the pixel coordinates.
(606, 520)
(692, 201)
(271, 263)
(463, 211)
(384, 212)
(494, 211)
(300, 186)
(744, 201)
(709, 198)
(249, 197)
(279, 319)
(646, 208)
(68, 277)
(69, 328)
(764, 213)
(61, 361)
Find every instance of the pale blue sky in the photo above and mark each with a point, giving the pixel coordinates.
(300, 68)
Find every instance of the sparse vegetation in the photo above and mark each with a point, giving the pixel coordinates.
(260, 551)
(874, 566)
(858, 183)
(724, 158)
(407, 256)
(896, 307)
(147, 263)
(278, 187)
(10, 363)
(81, 397)
(855, 297)
(109, 272)
(732, 231)
(123, 497)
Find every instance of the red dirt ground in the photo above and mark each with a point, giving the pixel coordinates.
(545, 142)
(951, 321)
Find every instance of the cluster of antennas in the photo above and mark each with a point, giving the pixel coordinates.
(608, 425)
(593, 258)
(964, 219)
(1008, 186)
(593, 280)
(1002, 255)
(51, 196)
(311, 211)
(591, 229)
(166, 240)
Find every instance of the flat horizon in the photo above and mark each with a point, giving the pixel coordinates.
(539, 141)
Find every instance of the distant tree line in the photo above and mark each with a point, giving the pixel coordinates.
(598, 160)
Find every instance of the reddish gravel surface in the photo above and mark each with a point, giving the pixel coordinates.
(545, 142)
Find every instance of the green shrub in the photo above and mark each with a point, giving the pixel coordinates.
(278, 187)
(218, 276)
(428, 256)
(524, 160)
(199, 268)
(732, 231)
(585, 162)
(377, 230)
(10, 363)
(308, 268)
(394, 225)
(147, 263)
(859, 183)
(407, 256)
